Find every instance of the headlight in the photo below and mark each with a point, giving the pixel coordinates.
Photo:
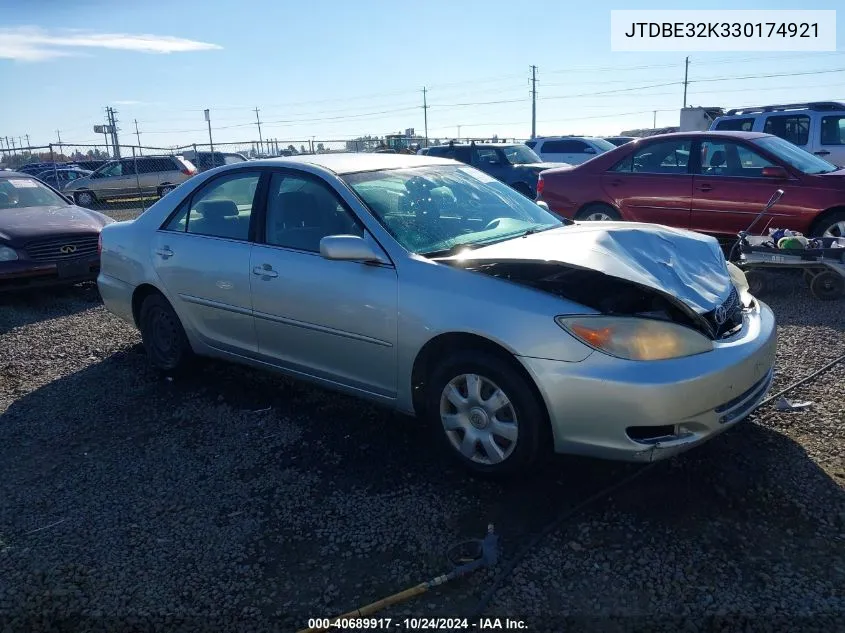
(632, 338)
(7, 254)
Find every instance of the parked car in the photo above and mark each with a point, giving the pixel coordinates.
(92, 164)
(713, 182)
(818, 127)
(61, 178)
(203, 160)
(514, 164)
(619, 140)
(428, 286)
(35, 168)
(572, 150)
(44, 238)
(155, 176)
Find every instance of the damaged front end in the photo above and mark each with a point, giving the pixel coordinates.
(612, 296)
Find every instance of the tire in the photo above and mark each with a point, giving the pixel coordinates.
(758, 282)
(828, 286)
(522, 418)
(165, 189)
(84, 198)
(829, 225)
(598, 212)
(808, 275)
(163, 336)
(524, 189)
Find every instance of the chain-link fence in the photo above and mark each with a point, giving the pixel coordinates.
(131, 177)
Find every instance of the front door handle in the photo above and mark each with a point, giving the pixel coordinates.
(266, 271)
(164, 253)
(823, 152)
(705, 187)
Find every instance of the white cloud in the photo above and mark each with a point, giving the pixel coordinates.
(33, 44)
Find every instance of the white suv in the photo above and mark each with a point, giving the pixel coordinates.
(569, 149)
(818, 127)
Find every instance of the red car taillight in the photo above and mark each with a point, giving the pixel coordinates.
(188, 172)
(540, 185)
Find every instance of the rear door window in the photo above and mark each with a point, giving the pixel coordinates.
(565, 147)
(666, 157)
(794, 128)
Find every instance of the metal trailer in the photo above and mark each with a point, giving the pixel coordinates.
(823, 268)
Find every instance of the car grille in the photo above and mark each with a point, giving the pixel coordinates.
(727, 318)
(62, 248)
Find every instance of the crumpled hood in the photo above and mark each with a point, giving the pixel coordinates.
(687, 265)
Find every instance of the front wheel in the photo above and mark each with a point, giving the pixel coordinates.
(163, 336)
(492, 420)
(831, 225)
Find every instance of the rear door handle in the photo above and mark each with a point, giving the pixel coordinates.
(705, 187)
(165, 252)
(265, 270)
(823, 152)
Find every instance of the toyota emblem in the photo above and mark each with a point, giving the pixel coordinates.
(67, 249)
(721, 315)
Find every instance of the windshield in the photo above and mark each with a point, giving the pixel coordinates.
(521, 155)
(795, 156)
(603, 144)
(432, 210)
(19, 193)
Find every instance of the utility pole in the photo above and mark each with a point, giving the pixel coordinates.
(138, 135)
(654, 125)
(459, 133)
(113, 123)
(686, 80)
(533, 101)
(260, 140)
(59, 136)
(27, 139)
(425, 116)
(210, 142)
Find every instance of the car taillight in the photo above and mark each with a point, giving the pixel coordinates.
(100, 244)
(188, 172)
(540, 185)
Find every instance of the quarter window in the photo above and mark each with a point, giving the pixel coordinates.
(222, 208)
(833, 130)
(302, 211)
(794, 128)
(736, 125)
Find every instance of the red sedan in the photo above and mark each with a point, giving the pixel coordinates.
(712, 182)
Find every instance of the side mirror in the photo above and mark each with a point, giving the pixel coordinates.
(775, 172)
(348, 248)
(543, 206)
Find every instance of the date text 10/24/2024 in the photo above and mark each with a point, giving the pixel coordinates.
(418, 624)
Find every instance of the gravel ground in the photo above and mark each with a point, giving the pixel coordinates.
(237, 500)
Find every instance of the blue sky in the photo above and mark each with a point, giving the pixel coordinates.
(335, 70)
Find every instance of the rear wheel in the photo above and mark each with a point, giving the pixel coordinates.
(598, 212)
(830, 225)
(491, 419)
(163, 336)
(828, 286)
(164, 190)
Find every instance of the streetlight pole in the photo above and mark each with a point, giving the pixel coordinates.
(210, 141)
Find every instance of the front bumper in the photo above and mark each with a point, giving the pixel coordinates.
(604, 407)
(23, 274)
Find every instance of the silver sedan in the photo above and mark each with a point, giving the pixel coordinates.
(427, 286)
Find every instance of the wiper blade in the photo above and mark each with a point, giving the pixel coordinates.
(448, 252)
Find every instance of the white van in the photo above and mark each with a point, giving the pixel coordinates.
(818, 128)
(572, 150)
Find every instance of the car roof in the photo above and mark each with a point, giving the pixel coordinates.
(709, 133)
(348, 163)
(15, 174)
